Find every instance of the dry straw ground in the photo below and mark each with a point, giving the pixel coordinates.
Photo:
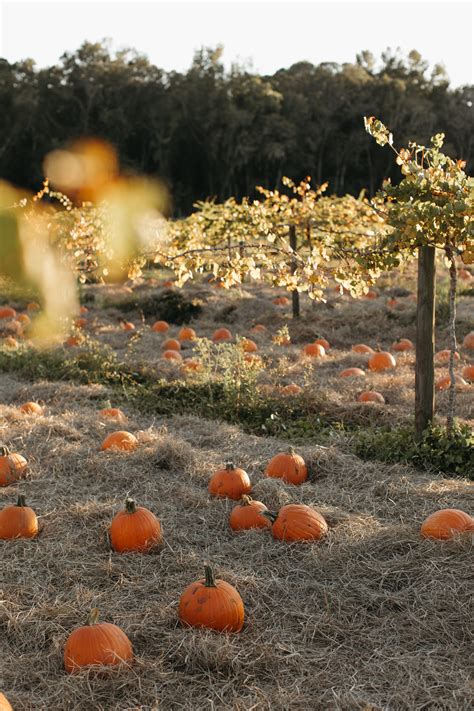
(372, 618)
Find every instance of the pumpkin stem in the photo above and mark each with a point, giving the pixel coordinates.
(93, 616)
(21, 500)
(291, 449)
(210, 580)
(271, 515)
(4, 451)
(246, 500)
(229, 466)
(130, 505)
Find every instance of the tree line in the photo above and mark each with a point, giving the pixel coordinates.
(211, 132)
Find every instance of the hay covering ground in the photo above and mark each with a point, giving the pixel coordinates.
(372, 618)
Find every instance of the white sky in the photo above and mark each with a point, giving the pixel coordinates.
(270, 34)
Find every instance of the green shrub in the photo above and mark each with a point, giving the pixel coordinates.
(451, 455)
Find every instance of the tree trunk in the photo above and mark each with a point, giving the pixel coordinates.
(295, 297)
(453, 282)
(425, 337)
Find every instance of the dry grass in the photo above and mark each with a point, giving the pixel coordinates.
(372, 618)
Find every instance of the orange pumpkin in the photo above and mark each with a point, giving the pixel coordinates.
(72, 341)
(445, 383)
(97, 643)
(371, 294)
(222, 334)
(298, 522)
(468, 373)
(258, 328)
(83, 310)
(7, 312)
(160, 327)
(323, 342)
(10, 342)
(291, 389)
(464, 274)
(288, 466)
(253, 359)
(168, 284)
(314, 350)
(80, 322)
(113, 413)
(18, 521)
(24, 319)
(33, 306)
(382, 360)
(122, 440)
(248, 345)
(5, 705)
(31, 408)
(192, 364)
(173, 355)
(231, 482)
(187, 334)
(12, 466)
(212, 603)
(446, 523)
(281, 301)
(352, 373)
(371, 396)
(444, 356)
(247, 514)
(403, 344)
(362, 348)
(171, 344)
(127, 325)
(134, 529)
(391, 303)
(468, 341)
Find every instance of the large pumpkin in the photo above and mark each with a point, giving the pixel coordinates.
(113, 413)
(134, 529)
(12, 466)
(371, 396)
(122, 440)
(446, 523)
(187, 334)
(18, 521)
(212, 603)
(248, 345)
(288, 466)
(160, 327)
(7, 312)
(444, 356)
(402, 345)
(382, 360)
(298, 522)
(5, 705)
(248, 514)
(222, 334)
(468, 341)
(31, 408)
(99, 643)
(171, 344)
(231, 482)
(445, 383)
(314, 350)
(323, 342)
(468, 373)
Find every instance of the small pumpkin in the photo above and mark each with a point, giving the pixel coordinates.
(31, 408)
(468, 341)
(371, 396)
(10, 342)
(362, 348)
(192, 364)
(402, 345)
(291, 389)
(222, 334)
(83, 310)
(168, 284)
(288, 466)
(24, 319)
(258, 328)
(5, 705)
(371, 294)
(121, 440)
(445, 383)
(281, 301)
(80, 322)
(231, 482)
(127, 325)
(172, 355)
(468, 373)
(134, 529)
(297, 522)
(382, 360)
(314, 350)
(187, 334)
(248, 345)
(113, 413)
(446, 523)
(73, 341)
(33, 306)
(323, 342)
(99, 643)
(391, 303)
(247, 515)
(444, 356)
(171, 344)
(12, 466)
(352, 373)
(18, 521)
(7, 312)
(160, 327)
(213, 604)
